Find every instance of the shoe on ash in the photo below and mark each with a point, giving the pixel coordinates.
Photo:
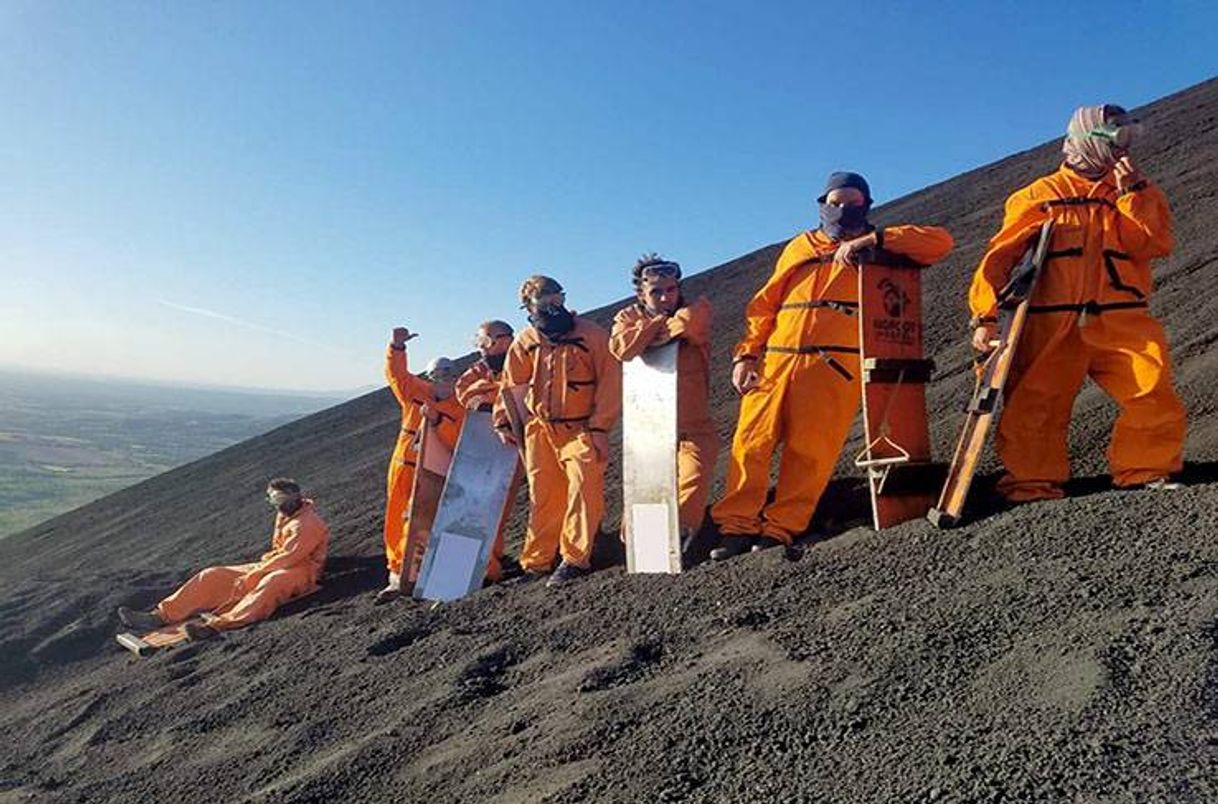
(140, 620)
(199, 632)
(732, 545)
(1163, 484)
(392, 590)
(565, 574)
(765, 543)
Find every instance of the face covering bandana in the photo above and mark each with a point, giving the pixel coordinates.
(495, 362)
(838, 221)
(1096, 138)
(552, 320)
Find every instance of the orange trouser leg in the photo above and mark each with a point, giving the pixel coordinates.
(758, 431)
(1131, 361)
(397, 508)
(547, 498)
(820, 407)
(1049, 369)
(207, 590)
(273, 590)
(696, 454)
(584, 507)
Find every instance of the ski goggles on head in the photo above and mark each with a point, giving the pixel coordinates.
(658, 270)
(557, 299)
(484, 341)
(278, 498)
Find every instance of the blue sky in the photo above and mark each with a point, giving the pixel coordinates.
(255, 193)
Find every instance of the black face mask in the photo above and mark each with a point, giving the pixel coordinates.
(837, 221)
(553, 320)
(495, 362)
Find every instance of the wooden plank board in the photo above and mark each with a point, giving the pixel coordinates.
(896, 454)
(430, 471)
(987, 395)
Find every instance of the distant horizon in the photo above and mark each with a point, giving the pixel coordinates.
(341, 395)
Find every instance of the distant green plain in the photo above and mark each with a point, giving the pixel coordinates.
(66, 442)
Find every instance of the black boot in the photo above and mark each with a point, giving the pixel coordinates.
(732, 545)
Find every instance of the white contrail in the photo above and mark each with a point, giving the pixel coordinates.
(247, 324)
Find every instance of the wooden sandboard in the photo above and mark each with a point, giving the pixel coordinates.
(1013, 301)
(476, 499)
(896, 454)
(431, 469)
(649, 461)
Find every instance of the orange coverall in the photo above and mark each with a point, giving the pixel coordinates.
(1088, 316)
(477, 387)
(573, 388)
(412, 393)
(244, 594)
(803, 324)
(634, 330)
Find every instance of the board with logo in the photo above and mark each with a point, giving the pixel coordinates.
(896, 452)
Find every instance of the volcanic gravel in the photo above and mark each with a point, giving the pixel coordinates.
(1059, 652)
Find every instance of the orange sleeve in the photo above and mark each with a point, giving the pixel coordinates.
(1144, 225)
(476, 387)
(607, 405)
(925, 245)
(692, 323)
(517, 370)
(634, 329)
(405, 386)
(762, 309)
(1024, 215)
(301, 540)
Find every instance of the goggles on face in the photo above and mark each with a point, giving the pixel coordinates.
(556, 299)
(1121, 134)
(484, 341)
(658, 270)
(278, 498)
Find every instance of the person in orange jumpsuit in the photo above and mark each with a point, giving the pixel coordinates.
(660, 315)
(240, 595)
(1088, 315)
(797, 366)
(478, 389)
(419, 399)
(572, 396)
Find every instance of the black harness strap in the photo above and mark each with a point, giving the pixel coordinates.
(1090, 307)
(843, 307)
(1114, 276)
(1078, 201)
(823, 351)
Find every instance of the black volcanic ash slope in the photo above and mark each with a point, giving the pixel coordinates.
(1056, 652)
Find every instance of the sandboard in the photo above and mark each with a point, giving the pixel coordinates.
(473, 507)
(896, 454)
(1013, 302)
(171, 635)
(431, 468)
(153, 641)
(649, 461)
